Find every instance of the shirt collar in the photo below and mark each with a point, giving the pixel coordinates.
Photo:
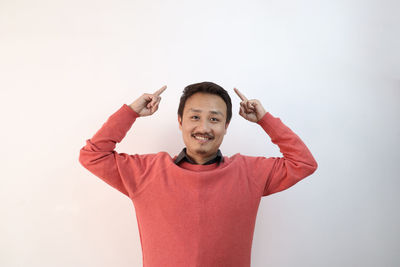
(184, 157)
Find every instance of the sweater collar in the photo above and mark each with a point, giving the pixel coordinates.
(183, 157)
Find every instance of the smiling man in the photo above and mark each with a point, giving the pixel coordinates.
(203, 119)
(197, 208)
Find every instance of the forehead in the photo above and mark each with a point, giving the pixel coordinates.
(205, 102)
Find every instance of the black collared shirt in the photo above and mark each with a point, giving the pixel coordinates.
(184, 157)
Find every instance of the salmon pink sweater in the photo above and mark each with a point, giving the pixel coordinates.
(195, 215)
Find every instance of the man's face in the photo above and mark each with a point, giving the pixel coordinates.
(203, 125)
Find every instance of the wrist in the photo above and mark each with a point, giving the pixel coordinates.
(262, 117)
(134, 110)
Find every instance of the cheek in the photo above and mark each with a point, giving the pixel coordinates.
(220, 132)
(188, 129)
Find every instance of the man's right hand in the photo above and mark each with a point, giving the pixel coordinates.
(147, 104)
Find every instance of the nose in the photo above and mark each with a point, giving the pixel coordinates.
(204, 126)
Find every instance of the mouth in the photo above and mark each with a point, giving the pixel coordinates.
(202, 138)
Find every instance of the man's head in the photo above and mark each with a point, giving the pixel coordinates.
(210, 88)
(204, 113)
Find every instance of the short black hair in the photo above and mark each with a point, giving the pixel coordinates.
(206, 87)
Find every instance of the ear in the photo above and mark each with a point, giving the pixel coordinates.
(180, 122)
(226, 127)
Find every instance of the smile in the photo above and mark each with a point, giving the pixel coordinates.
(202, 139)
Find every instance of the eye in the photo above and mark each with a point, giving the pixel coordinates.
(214, 119)
(195, 117)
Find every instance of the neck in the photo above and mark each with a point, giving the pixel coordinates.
(200, 159)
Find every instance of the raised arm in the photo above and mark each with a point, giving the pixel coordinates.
(120, 170)
(275, 174)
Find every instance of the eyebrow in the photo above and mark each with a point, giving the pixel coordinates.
(212, 111)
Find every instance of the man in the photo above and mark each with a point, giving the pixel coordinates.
(198, 208)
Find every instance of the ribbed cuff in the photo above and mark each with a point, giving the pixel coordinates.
(131, 111)
(269, 123)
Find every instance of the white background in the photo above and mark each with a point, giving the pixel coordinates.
(329, 69)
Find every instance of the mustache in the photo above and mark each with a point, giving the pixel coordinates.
(203, 134)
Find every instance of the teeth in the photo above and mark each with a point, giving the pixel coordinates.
(201, 138)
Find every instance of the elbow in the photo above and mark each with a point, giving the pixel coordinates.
(83, 154)
(83, 158)
(307, 168)
(87, 154)
(313, 166)
(87, 157)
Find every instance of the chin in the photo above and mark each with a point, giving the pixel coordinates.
(201, 152)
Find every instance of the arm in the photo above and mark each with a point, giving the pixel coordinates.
(297, 162)
(276, 174)
(120, 170)
(98, 155)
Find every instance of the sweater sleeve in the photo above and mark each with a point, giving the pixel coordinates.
(275, 174)
(122, 171)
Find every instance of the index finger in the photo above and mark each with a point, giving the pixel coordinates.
(240, 94)
(159, 91)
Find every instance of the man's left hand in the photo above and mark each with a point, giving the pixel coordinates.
(251, 110)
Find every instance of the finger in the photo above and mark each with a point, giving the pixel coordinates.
(246, 110)
(255, 102)
(246, 107)
(243, 106)
(249, 105)
(241, 112)
(154, 100)
(150, 102)
(240, 94)
(148, 97)
(157, 102)
(159, 91)
(155, 107)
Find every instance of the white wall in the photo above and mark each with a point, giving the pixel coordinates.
(329, 69)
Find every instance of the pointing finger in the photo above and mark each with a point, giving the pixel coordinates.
(159, 91)
(240, 94)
